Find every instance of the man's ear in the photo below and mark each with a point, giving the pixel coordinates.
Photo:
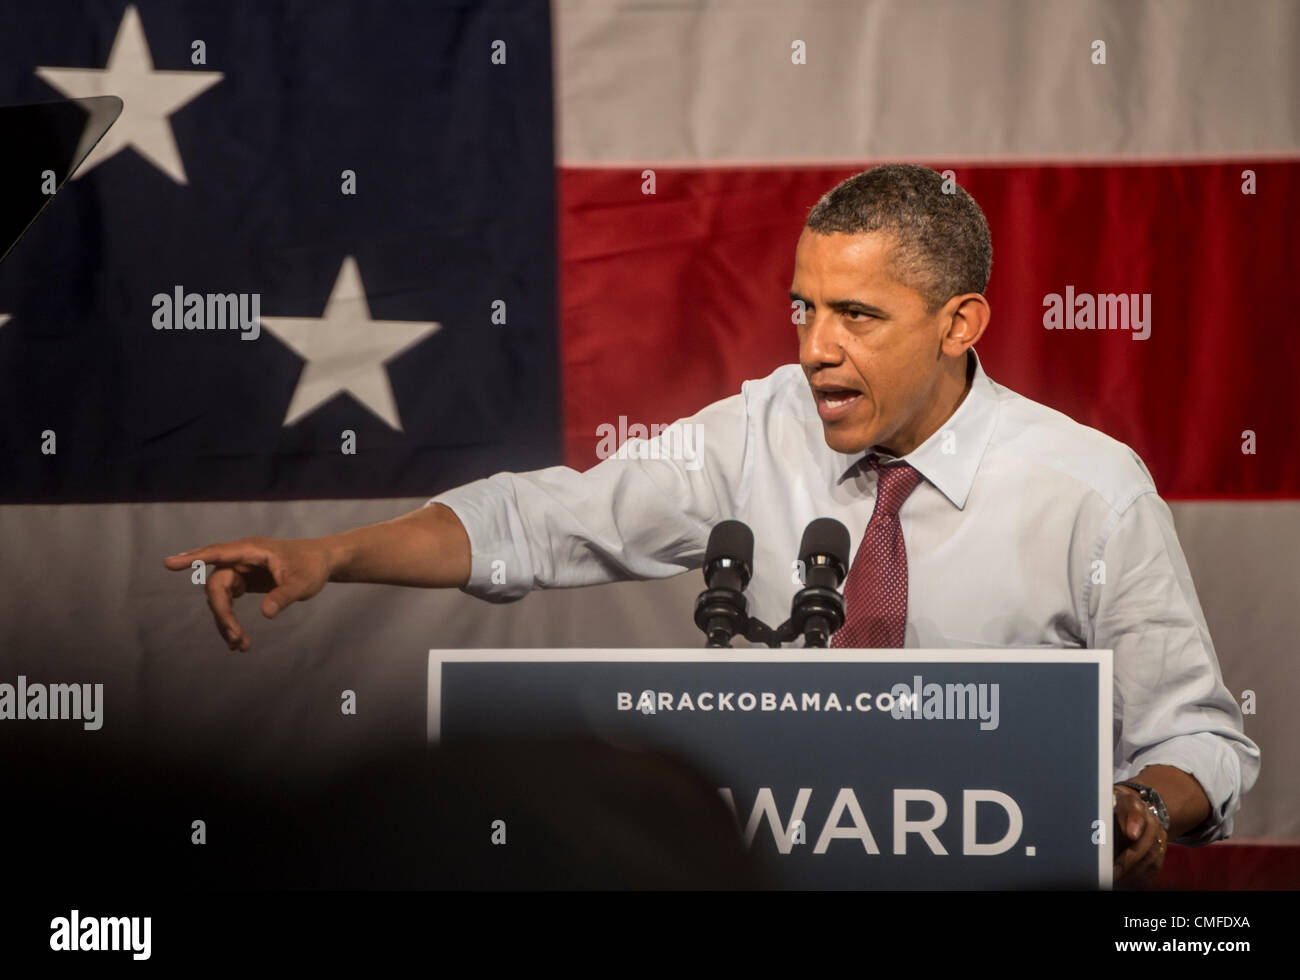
(964, 319)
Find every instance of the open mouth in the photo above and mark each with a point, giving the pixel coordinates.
(840, 396)
(834, 403)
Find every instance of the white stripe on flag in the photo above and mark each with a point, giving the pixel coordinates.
(694, 84)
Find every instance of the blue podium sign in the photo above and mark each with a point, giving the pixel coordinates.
(918, 769)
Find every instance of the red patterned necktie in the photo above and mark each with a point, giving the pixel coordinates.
(875, 594)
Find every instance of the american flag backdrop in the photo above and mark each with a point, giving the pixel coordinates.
(479, 232)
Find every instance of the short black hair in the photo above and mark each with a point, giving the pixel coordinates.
(943, 246)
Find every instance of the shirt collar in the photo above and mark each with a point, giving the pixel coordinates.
(952, 454)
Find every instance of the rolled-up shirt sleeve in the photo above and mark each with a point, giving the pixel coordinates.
(1171, 705)
(644, 512)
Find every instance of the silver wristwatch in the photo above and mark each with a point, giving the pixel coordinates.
(1152, 799)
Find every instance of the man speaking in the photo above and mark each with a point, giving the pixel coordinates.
(978, 517)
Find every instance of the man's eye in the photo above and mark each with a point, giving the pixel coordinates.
(857, 314)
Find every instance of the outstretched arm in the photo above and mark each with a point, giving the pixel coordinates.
(427, 547)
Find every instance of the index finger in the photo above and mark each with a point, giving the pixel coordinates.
(227, 553)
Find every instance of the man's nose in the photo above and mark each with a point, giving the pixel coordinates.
(820, 343)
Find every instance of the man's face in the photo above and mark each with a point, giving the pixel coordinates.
(867, 346)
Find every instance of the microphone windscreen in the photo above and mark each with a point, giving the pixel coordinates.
(731, 539)
(825, 536)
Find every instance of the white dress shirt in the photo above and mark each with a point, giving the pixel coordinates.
(1028, 530)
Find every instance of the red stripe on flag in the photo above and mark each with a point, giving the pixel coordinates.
(669, 301)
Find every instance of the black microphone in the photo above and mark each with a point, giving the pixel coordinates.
(721, 610)
(824, 551)
(818, 608)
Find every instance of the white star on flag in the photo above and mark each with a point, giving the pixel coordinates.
(346, 351)
(149, 97)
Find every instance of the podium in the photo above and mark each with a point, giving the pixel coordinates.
(846, 769)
